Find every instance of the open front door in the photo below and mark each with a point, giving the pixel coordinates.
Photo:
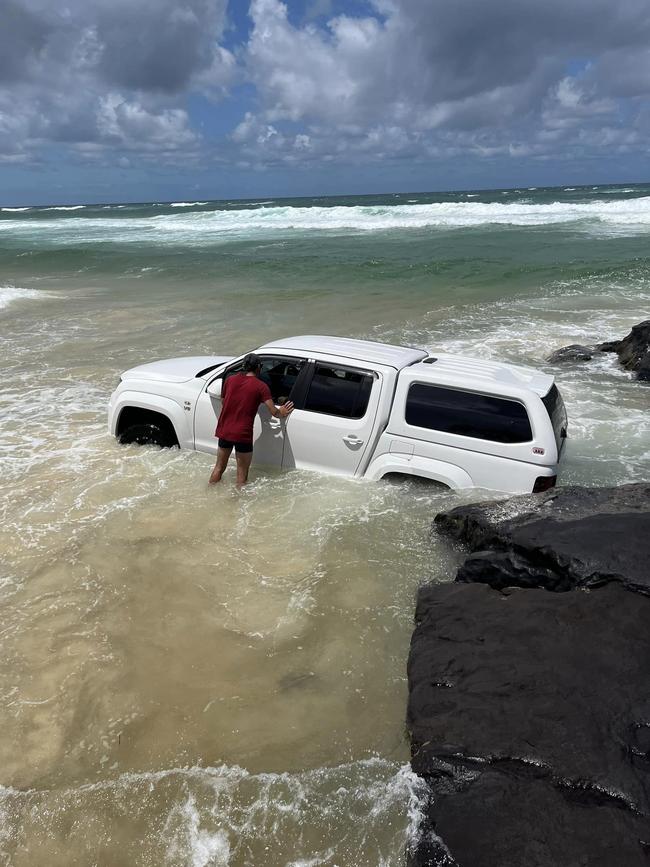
(280, 373)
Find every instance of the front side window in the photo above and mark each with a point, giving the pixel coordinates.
(339, 391)
(280, 374)
(467, 414)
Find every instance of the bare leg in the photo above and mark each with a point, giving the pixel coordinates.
(243, 465)
(223, 456)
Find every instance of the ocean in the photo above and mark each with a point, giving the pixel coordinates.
(202, 676)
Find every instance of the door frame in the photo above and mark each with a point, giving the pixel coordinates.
(299, 397)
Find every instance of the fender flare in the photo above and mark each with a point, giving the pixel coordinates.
(438, 471)
(180, 421)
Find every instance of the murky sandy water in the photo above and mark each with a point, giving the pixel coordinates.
(195, 676)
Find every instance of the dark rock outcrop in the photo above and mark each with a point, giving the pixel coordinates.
(559, 540)
(573, 352)
(633, 351)
(529, 710)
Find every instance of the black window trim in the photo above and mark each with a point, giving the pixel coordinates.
(300, 398)
(470, 391)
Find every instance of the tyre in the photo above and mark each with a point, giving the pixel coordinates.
(148, 434)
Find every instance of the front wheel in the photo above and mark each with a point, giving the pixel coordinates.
(147, 434)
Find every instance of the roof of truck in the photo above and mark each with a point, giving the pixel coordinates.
(462, 370)
(360, 350)
(456, 370)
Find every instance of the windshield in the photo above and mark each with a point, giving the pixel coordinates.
(557, 413)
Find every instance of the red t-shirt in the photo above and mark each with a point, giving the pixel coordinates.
(241, 396)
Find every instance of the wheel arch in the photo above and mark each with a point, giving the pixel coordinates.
(134, 408)
(450, 475)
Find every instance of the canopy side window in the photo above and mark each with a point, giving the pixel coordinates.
(467, 414)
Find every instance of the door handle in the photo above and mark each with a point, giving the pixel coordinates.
(353, 440)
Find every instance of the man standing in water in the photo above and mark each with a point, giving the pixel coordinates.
(242, 394)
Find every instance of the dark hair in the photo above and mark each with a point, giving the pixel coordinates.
(251, 363)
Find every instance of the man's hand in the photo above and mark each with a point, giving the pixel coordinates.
(279, 411)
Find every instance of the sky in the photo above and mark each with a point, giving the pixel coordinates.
(164, 100)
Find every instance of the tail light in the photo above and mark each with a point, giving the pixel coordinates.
(544, 483)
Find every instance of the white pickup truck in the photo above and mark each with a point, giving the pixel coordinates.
(363, 409)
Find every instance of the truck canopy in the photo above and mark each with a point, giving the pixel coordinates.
(477, 373)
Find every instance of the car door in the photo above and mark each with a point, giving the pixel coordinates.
(333, 422)
(280, 373)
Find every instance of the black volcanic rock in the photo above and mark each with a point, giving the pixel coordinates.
(573, 352)
(633, 351)
(529, 710)
(529, 716)
(559, 540)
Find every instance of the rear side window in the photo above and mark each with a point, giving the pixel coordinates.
(467, 414)
(338, 391)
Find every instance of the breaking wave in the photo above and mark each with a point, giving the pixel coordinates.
(8, 294)
(65, 208)
(628, 216)
(365, 812)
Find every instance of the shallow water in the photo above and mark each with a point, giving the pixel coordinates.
(195, 676)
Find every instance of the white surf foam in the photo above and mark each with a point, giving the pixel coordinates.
(8, 294)
(65, 208)
(620, 216)
(15, 210)
(623, 215)
(186, 204)
(216, 813)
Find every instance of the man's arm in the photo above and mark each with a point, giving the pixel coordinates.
(278, 411)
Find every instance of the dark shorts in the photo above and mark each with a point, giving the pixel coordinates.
(240, 448)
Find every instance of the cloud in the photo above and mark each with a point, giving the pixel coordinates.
(105, 76)
(22, 36)
(129, 125)
(433, 77)
(402, 80)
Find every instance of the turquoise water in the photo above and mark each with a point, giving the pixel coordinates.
(194, 676)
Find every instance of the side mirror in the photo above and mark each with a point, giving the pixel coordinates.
(214, 389)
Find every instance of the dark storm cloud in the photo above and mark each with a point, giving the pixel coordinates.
(467, 46)
(107, 76)
(22, 36)
(159, 44)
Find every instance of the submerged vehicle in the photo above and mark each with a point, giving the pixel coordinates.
(363, 409)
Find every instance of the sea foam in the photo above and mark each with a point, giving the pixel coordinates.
(621, 216)
(8, 294)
